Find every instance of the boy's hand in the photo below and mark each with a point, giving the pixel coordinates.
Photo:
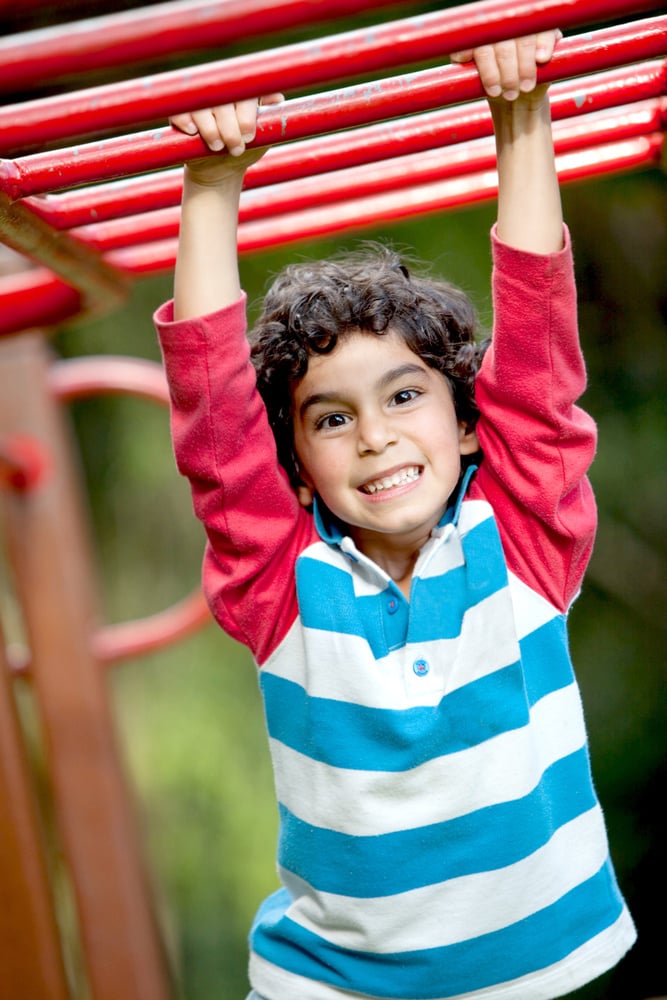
(509, 69)
(225, 127)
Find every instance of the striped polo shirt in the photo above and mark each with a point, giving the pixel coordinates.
(439, 831)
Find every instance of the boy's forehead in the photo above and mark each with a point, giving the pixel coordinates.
(362, 360)
(356, 343)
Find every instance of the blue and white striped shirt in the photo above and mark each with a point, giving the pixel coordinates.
(439, 831)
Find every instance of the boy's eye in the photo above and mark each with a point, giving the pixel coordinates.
(331, 420)
(405, 396)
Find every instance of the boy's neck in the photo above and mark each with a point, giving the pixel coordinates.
(398, 561)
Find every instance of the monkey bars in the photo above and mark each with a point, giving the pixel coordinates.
(89, 190)
(598, 71)
(138, 36)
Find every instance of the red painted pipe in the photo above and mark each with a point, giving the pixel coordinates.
(388, 175)
(344, 149)
(383, 209)
(299, 65)
(36, 298)
(335, 110)
(31, 58)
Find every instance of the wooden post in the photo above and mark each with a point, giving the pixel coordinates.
(30, 957)
(48, 549)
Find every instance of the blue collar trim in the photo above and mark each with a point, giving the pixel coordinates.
(331, 530)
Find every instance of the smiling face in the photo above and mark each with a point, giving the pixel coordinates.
(377, 438)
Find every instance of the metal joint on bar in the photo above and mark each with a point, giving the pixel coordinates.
(99, 285)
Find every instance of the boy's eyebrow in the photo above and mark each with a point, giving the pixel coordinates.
(402, 371)
(387, 378)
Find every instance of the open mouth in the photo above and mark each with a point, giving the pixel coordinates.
(401, 478)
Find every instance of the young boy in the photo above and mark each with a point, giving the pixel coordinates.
(440, 835)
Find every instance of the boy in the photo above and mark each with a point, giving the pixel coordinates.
(440, 835)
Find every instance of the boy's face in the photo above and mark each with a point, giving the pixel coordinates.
(377, 437)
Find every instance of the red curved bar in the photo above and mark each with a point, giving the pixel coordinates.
(78, 378)
(345, 108)
(81, 377)
(137, 36)
(295, 66)
(126, 640)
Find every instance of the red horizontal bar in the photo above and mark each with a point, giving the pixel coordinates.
(344, 149)
(381, 209)
(137, 36)
(39, 299)
(391, 174)
(35, 298)
(299, 65)
(332, 111)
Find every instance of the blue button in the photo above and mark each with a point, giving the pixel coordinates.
(421, 667)
(392, 605)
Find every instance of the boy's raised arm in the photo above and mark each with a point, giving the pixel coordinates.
(529, 206)
(206, 276)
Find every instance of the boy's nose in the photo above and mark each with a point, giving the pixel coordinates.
(375, 434)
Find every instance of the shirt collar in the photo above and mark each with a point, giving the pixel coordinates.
(331, 530)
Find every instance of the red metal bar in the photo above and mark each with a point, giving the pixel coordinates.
(345, 108)
(351, 148)
(43, 296)
(36, 298)
(115, 198)
(381, 209)
(371, 178)
(137, 36)
(294, 66)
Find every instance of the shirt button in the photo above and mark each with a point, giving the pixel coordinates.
(421, 667)
(392, 605)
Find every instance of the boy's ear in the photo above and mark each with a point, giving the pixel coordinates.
(468, 442)
(305, 491)
(305, 495)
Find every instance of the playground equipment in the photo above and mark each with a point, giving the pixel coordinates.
(90, 203)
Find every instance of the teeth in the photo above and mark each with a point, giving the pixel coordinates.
(398, 479)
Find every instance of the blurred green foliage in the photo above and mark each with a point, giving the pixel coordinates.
(191, 717)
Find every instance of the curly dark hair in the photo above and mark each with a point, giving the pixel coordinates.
(310, 306)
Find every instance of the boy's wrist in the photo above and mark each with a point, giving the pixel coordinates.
(526, 107)
(212, 174)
